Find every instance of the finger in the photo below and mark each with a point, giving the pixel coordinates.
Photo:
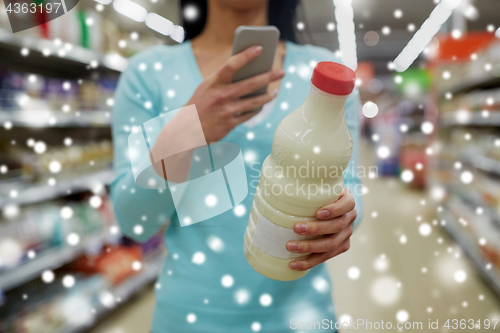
(245, 104)
(324, 227)
(344, 204)
(313, 260)
(245, 116)
(325, 244)
(247, 86)
(344, 247)
(317, 258)
(312, 228)
(233, 64)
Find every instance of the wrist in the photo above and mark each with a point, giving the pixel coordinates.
(184, 132)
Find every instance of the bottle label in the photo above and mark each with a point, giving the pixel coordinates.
(271, 239)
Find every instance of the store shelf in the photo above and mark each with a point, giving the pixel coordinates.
(450, 119)
(47, 259)
(469, 246)
(481, 82)
(482, 162)
(474, 199)
(125, 290)
(37, 119)
(64, 59)
(133, 284)
(40, 193)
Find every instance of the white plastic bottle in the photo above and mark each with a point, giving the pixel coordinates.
(311, 148)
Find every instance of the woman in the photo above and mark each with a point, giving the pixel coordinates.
(222, 293)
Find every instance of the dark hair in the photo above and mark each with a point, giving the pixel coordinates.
(281, 13)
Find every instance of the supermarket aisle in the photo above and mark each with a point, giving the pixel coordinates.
(392, 270)
(133, 317)
(402, 266)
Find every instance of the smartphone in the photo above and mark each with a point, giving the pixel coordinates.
(246, 36)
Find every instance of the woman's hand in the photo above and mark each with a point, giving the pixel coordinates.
(218, 100)
(219, 108)
(335, 223)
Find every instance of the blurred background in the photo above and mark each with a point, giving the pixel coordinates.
(429, 245)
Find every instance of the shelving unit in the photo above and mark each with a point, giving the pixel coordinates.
(84, 162)
(473, 198)
(46, 260)
(44, 192)
(125, 290)
(478, 82)
(481, 162)
(470, 248)
(40, 119)
(476, 119)
(471, 94)
(66, 60)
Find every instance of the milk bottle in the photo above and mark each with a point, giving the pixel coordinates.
(311, 148)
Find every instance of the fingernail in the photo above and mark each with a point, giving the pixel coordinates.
(274, 93)
(295, 265)
(257, 49)
(322, 214)
(279, 72)
(301, 228)
(293, 246)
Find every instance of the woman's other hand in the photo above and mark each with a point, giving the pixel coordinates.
(335, 223)
(218, 101)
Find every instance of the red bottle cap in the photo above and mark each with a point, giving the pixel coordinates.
(333, 78)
